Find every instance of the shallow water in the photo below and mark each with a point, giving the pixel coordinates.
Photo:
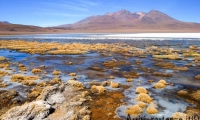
(165, 100)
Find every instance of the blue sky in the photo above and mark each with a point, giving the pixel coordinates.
(55, 12)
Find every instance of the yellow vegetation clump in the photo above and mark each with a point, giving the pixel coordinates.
(56, 72)
(182, 93)
(71, 52)
(20, 78)
(36, 70)
(87, 117)
(2, 85)
(114, 84)
(170, 57)
(142, 104)
(72, 74)
(42, 66)
(21, 65)
(135, 110)
(179, 115)
(73, 117)
(159, 85)
(76, 84)
(29, 83)
(105, 83)
(4, 65)
(141, 90)
(98, 89)
(23, 68)
(3, 73)
(162, 81)
(129, 80)
(84, 111)
(144, 98)
(195, 95)
(151, 110)
(42, 84)
(2, 58)
(112, 77)
(197, 76)
(55, 81)
(181, 68)
(84, 94)
(33, 94)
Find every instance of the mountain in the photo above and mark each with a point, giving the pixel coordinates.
(7, 28)
(121, 21)
(5, 22)
(125, 20)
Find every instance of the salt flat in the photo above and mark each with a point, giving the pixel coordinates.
(154, 35)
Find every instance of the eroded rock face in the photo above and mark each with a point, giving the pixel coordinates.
(36, 110)
(62, 102)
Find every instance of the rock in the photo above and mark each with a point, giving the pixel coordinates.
(36, 110)
(46, 92)
(55, 98)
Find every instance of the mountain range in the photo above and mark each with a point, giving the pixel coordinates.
(121, 21)
(126, 20)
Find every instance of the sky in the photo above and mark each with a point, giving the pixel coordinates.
(57, 12)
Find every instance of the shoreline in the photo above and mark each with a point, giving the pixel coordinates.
(124, 31)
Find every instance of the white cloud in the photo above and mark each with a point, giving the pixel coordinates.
(66, 6)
